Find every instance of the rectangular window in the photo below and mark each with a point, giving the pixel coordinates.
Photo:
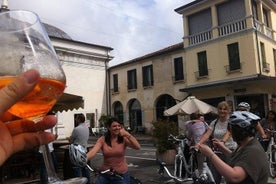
(265, 15)
(131, 79)
(274, 56)
(254, 9)
(178, 69)
(263, 53)
(147, 75)
(202, 64)
(234, 56)
(115, 83)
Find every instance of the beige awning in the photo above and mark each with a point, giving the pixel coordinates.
(190, 105)
(68, 102)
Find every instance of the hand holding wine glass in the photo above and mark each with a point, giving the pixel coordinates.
(25, 45)
(22, 134)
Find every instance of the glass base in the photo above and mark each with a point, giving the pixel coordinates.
(79, 180)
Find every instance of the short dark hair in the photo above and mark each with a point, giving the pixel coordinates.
(81, 117)
(194, 116)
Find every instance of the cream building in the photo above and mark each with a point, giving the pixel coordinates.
(228, 53)
(85, 66)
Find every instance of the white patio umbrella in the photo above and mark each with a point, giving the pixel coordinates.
(190, 105)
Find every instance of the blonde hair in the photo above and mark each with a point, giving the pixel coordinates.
(223, 104)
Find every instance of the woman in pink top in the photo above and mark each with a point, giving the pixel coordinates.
(113, 145)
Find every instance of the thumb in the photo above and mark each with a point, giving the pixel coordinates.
(17, 89)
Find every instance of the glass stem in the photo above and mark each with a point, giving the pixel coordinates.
(50, 169)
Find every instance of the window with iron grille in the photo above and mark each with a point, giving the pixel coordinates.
(115, 83)
(234, 56)
(178, 69)
(202, 63)
(131, 79)
(147, 75)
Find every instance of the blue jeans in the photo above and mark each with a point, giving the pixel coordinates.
(82, 172)
(111, 179)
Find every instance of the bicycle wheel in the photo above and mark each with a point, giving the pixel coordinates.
(134, 180)
(272, 163)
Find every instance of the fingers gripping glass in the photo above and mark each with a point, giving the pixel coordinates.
(25, 45)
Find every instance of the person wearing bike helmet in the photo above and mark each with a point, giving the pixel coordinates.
(248, 163)
(244, 106)
(113, 146)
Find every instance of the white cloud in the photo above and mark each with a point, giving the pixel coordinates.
(131, 28)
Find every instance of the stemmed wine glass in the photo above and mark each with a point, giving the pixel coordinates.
(24, 45)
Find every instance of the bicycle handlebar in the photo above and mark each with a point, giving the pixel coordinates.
(163, 168)
(178, 138)
(109, 171)
(271, 131)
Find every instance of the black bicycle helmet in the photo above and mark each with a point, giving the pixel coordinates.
(77, 155)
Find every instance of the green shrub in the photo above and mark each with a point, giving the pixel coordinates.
(161, 130)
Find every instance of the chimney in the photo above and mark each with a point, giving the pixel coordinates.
(4, 6)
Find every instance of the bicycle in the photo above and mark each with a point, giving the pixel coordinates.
(185, 171)
(271, 153)
(77, 156)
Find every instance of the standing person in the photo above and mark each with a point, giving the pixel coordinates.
(80, 136)
(218, 129)
(269, 122)
(248, 163)
(113, 146)
(244, 106)
(195, 128)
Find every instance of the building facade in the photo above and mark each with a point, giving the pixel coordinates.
(85, 67)
(228, 53)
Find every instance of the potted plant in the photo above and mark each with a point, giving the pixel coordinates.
(165, 149)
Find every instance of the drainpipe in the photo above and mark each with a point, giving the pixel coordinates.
(108, 100)
(258, 49)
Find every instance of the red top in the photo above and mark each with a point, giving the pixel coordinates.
(114, 157)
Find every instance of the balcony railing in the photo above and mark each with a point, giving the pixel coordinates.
(200, 37)
(258, 25)
(230, 69)
(116, 91)
(175, 80)
(228, 29)
(266, 67)
(201, 75)
(268, 32)
(232, 28)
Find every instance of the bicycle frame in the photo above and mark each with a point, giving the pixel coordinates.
(180, 163)
(111, 171)
(271, 153)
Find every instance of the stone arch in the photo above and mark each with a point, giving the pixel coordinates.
(118, 111)
(162, 103)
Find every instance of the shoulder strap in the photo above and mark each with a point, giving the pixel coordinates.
(212, 134)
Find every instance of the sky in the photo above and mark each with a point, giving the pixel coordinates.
(133, 28)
